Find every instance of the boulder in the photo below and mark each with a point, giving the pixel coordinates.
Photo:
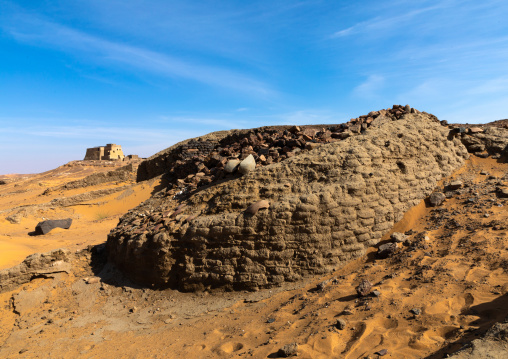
(231, 165)
(288, 350)
(45, 227)
(364, 288)
(475, 130)
(247, 165)
(386, 250)
(436, 199)
(398, 237)
(455, 185)
(340, 324)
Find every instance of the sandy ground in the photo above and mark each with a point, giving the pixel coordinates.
(444, 287)
(92, 219)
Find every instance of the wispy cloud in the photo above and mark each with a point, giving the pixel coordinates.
(370, 87)
(35, 30)
(383, 23)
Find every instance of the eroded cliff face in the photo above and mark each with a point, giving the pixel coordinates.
(327, 205)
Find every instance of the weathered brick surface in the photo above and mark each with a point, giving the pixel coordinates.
(327, 205)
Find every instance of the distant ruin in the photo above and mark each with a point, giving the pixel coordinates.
(105, 153)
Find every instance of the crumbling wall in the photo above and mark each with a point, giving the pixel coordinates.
(94, 154)
(327, 205)
(104, 153)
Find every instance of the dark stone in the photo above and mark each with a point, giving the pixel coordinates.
(436, 199)
(382, 352)
(416, 311)
(288, 350)
(386, 250)
(482, 154)
(454, 185)
(46, 226)
(364, 288)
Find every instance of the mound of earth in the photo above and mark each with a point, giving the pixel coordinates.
(328, 202)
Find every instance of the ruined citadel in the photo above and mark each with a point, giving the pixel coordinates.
(110, 152)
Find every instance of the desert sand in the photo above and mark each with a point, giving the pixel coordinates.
(454, 277)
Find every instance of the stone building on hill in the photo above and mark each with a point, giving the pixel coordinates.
(106, 153)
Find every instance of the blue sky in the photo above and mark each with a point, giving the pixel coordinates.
(146, 74)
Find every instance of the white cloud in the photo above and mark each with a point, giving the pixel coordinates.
(371, 87)
(380, 23)
(38, 31)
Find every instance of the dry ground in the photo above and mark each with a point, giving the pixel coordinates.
(453, 272)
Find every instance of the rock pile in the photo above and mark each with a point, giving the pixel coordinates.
(210, 158)
(328, 195)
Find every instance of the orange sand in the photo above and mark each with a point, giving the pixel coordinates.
(459, 294)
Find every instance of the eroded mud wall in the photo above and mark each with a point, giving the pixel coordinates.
(327, 206)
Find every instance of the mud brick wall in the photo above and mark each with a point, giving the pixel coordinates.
(327, 205)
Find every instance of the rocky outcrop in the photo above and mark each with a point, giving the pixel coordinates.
(123, 174)
(490, 140)
(36, 265)
(326, 205)
(494, 344)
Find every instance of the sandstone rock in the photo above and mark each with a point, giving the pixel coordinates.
(492, 344)
(45, 227)
(455, 185)
(231, 165)
(436, 199)
(341, 324)
(311, 145)
(398, 237)
(288, 350)
(476, 130)
(37, 264)
(247, 165)
(364, 288)
(255, 207)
